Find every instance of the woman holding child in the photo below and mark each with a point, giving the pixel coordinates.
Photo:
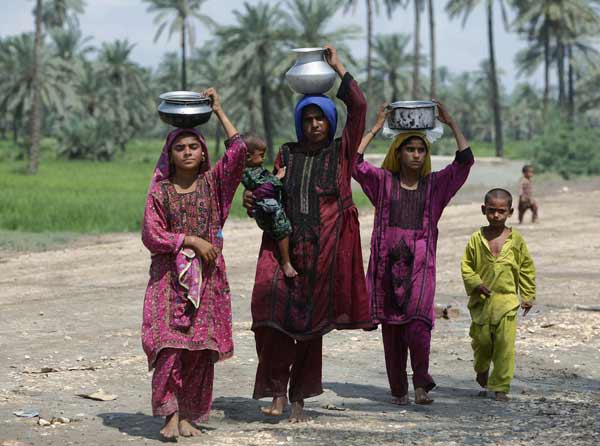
(409, 200)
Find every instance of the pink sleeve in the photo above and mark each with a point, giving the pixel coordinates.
(369, 177)
(228, 172)
(155, 235)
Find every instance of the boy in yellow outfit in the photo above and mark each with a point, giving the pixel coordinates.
(496, 268)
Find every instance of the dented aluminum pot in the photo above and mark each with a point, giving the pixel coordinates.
(412, 115)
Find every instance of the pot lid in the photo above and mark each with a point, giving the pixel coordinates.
(183, 97)
(411, 104)
(307, 50)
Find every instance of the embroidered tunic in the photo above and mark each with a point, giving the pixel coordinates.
(330, 290)
(401, 273)
(168, 218)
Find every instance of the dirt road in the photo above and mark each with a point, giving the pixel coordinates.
(74, 314)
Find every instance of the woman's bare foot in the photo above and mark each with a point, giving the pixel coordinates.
(170, 430)
(421, 396)
(187, 429)
(482, 378)
(276, 408)
(401, 401)
(298, 415)
(288, 270)
(501, 396)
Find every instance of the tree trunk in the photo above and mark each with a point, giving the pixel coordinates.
(393, 81)
(494, 81)
(561, 70)
(433, 83)
(266, 116)
(546, 69)
(36, 122)
(183, 69)
(417, 51)
(369, 48)
(571, 78)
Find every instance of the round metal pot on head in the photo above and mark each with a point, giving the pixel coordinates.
(311, 74)
(184, 109)
(412, 115)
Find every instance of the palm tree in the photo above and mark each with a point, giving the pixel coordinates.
(390, 62)
(256, 60)
(55, 13)
(36, 122)
(184, 11)
(566, 20)
(125, 95)
(371, 6)
(310, 20)
(16, 68)
(464, 8)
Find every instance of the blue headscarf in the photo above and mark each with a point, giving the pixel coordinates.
(325, 104)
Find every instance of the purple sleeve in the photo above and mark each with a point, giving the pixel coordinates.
(369, 177)
(155, 235)
(264, 191)
(356, 105)
(450, 179)
(228, 172)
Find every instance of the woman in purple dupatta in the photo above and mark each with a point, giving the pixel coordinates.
(187, 310)
(409, 200)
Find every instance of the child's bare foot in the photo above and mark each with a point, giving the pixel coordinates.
(482, 393)
(401, 401)
(289, 270)
(187, 429)
(421, 396)
(501, 396)
(298, 415)
(170, 430)
(276, 408)
(482, 378)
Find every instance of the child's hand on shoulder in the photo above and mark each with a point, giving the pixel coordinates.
(526, 306)
(281, 173)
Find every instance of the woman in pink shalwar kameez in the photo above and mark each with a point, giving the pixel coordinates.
(187, 309)
(409, 200)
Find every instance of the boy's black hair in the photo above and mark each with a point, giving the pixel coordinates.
(253, 142)
(526, 167)
(498, 192)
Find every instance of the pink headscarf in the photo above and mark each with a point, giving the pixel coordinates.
(188, 266)
(162, 170)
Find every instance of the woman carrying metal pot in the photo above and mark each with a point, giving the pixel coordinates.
(291, 315)
(409, 200)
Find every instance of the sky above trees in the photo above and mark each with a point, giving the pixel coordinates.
(459, 49)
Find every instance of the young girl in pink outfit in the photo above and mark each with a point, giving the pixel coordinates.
(187, 309)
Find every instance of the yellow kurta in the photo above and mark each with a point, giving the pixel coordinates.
(494, 324)
(508, 275)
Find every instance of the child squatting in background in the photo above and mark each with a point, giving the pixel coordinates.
(496, 268)
(268, 209)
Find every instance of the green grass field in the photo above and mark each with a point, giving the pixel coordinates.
(85, 197)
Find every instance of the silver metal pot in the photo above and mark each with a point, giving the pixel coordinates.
(184, 109)
(311, 74)
(412, 115)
